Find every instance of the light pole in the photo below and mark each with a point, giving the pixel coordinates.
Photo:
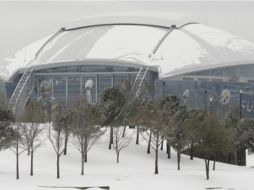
(240, 104)
(186, 94)
(211, 101)
(163, 88)
(205, 100)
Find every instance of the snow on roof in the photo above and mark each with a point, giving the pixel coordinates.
(200, 47)
(192, 48)
(21, 59)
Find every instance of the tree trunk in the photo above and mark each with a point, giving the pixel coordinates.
(49, 113)
(191, 151)
(85, 148)
(168, 150)
(17, 162)
(162, 140)
(82, 163)
(137, 138)
(58, 166)
(214, 161)
(178, 159)
(111, 137)
(156, 161)
(66, 141)
(236, 159)
(124, 129)
(28, 151)
(149, 143)
(229, 158)
(43, 109)
(32, 163)
(207, 163)
(117, 157)
(17, 157)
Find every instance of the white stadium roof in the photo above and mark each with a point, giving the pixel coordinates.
(140, 38)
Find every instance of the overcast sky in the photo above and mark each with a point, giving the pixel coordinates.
(22, 23)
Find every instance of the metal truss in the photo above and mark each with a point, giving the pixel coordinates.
(22, 92)
(136, 88)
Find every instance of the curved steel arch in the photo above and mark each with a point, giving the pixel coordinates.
(171, 29)
(49, 40)
(117, 23)
(96, 25)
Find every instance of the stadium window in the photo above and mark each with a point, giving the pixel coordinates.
(185, 78)
(217, 80)
(203, 79)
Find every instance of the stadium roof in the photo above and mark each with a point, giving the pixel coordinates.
(144, 38)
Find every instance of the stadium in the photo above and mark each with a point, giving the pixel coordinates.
(175, 54)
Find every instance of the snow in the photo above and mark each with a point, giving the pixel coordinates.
(134, 172)
(188, 49)
(21, 58)
(128, 43)
(197, 47)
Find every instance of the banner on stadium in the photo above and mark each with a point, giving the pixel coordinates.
(247, 105)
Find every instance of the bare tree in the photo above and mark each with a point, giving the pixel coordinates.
(178, 137)
(31, 130)
(150, 113)
(192, 123)
(120, 141)
(214, 138)
(67, 119)
(86, 129)
(112, 103)
(56, 136)
(6, 131)
(172, 117)
(154, 135)
(18, 146)
(46, 99)
(135, 117)
(3, 102)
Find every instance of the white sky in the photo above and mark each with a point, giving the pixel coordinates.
(22, 23)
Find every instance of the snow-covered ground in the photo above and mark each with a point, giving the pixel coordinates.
(134, 172)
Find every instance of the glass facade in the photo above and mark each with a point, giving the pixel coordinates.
(120, 79)
(219, 97)
(73, 90)
(59, 89)
(68, 82)
(104, 82)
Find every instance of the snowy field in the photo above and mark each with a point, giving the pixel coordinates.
(134, 172)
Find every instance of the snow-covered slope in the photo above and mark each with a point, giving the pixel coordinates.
(134, 172)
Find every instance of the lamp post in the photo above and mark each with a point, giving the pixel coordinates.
(186, 94)
(163, 88)
(205, 100)
(240, 104)
(211, 101)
